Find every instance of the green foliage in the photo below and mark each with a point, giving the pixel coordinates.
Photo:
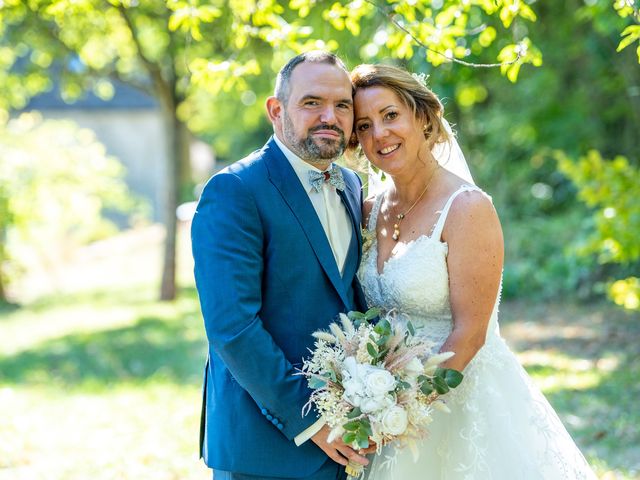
(631, 34)
(56, 184)
(611, 189)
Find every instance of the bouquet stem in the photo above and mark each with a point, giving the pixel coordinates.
(354, 470)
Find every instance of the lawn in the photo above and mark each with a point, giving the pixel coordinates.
(98, 380)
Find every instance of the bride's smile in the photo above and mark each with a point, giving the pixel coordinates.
(390, 134)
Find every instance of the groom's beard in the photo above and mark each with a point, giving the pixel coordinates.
(310, 149)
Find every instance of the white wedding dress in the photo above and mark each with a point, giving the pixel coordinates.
(500, 426)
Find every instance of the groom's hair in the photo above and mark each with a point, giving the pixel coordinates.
(283, 81)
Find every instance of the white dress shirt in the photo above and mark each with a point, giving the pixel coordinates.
(336, 223)
(331, 211)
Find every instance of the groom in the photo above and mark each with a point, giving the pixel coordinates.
(276, 242)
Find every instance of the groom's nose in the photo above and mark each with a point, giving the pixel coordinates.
(328, 115)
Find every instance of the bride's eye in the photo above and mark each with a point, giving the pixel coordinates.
(362, 127)
(391, 115)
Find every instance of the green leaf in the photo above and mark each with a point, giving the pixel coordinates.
(366, 426)
(371, 348)
(349, 438)
(453, 377)
(356, 412)
(315, 383)
(362, 439)
(426, 388)
(352, 426)
(383, 327)
(440, 385)
(402, 385)
(372, 313)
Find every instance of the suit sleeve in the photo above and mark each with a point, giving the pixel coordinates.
(227, 242)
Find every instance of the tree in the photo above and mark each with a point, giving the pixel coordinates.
(56, 184)
(181, 51)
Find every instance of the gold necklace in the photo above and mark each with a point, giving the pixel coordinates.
(400, 216)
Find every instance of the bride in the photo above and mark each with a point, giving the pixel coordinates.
(436, 257)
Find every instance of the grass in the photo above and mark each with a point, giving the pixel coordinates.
(99, 380)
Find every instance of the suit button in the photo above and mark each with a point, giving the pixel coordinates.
(280, 426)
(270, 418)
(264, 411)
(275, 421)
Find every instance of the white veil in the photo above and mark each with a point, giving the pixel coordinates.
(448, 154)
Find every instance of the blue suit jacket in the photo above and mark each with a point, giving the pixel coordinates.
(267, 279)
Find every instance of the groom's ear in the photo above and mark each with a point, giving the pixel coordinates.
(274, 110)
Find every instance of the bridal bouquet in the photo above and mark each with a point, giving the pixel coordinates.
(376, 382)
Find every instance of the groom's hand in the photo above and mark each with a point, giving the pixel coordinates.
(337, 450)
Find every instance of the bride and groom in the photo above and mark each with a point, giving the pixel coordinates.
(278, 254)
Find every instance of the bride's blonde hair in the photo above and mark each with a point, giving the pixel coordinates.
(412, 92)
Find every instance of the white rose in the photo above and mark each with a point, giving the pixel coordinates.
(379, 382)
(395, 421)
(353, 391)
(376, 404)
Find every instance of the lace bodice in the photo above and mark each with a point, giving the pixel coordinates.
(414, 281)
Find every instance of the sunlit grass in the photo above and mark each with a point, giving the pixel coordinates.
(104, 381)
(586, 362)
(116, 400)
(123, 432)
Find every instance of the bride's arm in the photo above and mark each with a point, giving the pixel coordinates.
(475, 259)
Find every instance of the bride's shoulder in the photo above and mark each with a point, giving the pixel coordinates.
(472, 207)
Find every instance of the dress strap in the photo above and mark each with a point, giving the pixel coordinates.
(373, 215)
(439, 226)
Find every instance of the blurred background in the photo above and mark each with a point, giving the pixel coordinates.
(114, 113)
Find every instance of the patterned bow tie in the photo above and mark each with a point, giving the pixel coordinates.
(333, 176)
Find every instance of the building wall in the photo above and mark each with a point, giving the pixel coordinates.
(136, 138)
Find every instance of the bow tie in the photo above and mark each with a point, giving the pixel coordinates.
(333, 176)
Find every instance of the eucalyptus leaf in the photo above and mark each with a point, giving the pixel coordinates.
(362, 439)
(366, 426)
(372, 313)
(356, 412)
(371, 348)
(426, 388)
(453, 377)
(383, 327)
(440, 385)
(352, 426)
(315, 382)
(402, 385)
(353, 315)
(349, 437)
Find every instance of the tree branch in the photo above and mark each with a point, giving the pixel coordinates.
(389, 13)
(163, 88)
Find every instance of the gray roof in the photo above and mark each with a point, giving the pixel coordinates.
(125, 97)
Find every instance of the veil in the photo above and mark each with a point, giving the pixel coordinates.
(448, 154)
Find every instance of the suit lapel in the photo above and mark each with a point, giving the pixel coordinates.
(283, 177)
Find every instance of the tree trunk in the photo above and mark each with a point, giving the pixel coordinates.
(3, 294)
(178, 148)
